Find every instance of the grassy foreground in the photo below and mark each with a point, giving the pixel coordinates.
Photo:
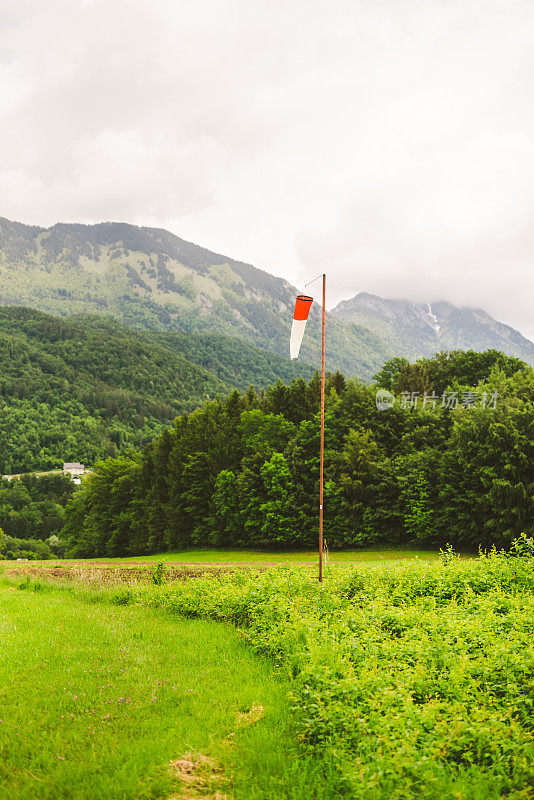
(97, 699)
(414, 680)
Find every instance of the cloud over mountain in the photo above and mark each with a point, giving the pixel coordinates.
(391, 144)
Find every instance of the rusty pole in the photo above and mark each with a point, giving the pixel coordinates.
(321, 464)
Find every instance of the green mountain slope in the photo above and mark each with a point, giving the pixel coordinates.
(84, 388)
(151, 279)
(414, 330)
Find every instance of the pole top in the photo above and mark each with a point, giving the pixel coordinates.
(322, 275)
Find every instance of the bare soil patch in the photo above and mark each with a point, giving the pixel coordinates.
(107, 575)
(200, 776)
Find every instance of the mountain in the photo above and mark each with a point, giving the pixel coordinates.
(84, 388)
(414, 330)
(150, 279)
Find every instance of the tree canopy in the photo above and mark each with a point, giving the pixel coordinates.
(85, 388)
(244, 471)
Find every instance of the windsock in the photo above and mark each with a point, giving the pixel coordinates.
(300, 316)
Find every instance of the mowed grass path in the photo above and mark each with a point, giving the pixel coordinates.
(96, 700)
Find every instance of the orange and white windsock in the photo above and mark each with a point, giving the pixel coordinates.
(300, 317)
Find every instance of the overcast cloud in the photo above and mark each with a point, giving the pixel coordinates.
(389, 143)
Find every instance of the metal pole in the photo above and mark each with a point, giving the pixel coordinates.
(321, 467)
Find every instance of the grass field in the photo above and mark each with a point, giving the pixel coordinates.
(97, 700)
(278, 557)
(193, 563)
(266, 557)
(408, 680)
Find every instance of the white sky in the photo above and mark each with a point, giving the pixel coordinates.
(389, 143)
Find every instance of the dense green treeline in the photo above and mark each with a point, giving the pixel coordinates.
(32, 514)
(86, 388)
(451, 464)
(460, 367)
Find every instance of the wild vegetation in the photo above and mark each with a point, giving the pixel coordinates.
(32, 514)
(406, 681)
(417, 679)
(86, 388)
(244, 471)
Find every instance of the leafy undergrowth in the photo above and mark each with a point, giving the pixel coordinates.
(417, 679)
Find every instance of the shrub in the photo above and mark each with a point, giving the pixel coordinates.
(448, 554)
(522, 547)
(27, 548)
(56, 545)
(29, 555)
(416, 678)
(159, 572)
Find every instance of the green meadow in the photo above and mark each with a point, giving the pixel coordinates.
(408, 679)
(220, 556)
(97, 700)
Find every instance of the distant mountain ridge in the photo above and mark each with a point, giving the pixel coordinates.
(419, 329)
(151, 279)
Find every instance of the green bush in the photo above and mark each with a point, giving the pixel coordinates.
(29, 555)
(416, 679)
(26, 548)
(523, 546)
(159, 572)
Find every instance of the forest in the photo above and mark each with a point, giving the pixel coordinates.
(32, 514)
(451, 461)
(84, 388)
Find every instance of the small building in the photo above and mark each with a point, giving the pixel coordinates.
(73, 468)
